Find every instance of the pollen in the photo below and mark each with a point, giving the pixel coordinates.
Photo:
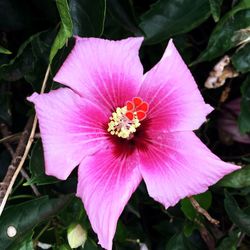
(124, 121)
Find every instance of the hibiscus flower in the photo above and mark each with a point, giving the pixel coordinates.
(121, 126)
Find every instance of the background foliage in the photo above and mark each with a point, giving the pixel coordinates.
(34, 33)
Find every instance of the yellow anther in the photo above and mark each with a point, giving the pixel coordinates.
(120, 125)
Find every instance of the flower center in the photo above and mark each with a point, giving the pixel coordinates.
(124, 121)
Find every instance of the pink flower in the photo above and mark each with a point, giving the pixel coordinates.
(227, 123)
(121, 126)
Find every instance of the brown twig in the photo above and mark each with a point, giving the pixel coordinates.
(27, 178)
(205, 235)
(5, 132)
(15, 137)
(22, 151)
(225, 94)
(10, 138)
(202, 211)
(16, 159)
(241, 238)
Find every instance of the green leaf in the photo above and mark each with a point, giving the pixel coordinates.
(167, 18)
(25, 244)
(90, 245)
(246, 159)
(123, 13)
(66, 28)
(74, 213)
(121, 232)
(25, 216)
(224, 35)
(4, 51)
(204, 200)
(215, 6)
(168, 227)
(64, 247)
(113, 30)
(235, 214)
(88, 17)
(189, 227)
(21, 64)
(36, 166)
(244, 117)
(40, 46)
(31, 60)
(241, 59)
(237, 179)
(179, 242)
(230, 242)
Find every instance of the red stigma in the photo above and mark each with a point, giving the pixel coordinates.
(137, 107)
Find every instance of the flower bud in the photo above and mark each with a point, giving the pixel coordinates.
(143, 246)
(76, 235)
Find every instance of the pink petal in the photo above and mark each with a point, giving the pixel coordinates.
(105, 183)
(228, 125)
(107, 72)
(175, 103)
(176, 165)
(71, 128)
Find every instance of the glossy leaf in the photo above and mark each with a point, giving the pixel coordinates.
(167, 18)
(189, 227)
(235, 214)
(4, 51)
(64, 247)
(40, 46)
(88, 17)
(113, 29)
(66, 28)
(244, 117)
(74, 212)
(224, 36)
(215, 6)
(31, 60)
(178, 242)
(25, 216)
(204, 200)
(230, 242)
(123, 12)
(241, 59)
(20, 64)
(36, 167)
(25, 244)
(90, 245)
(237, 179)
